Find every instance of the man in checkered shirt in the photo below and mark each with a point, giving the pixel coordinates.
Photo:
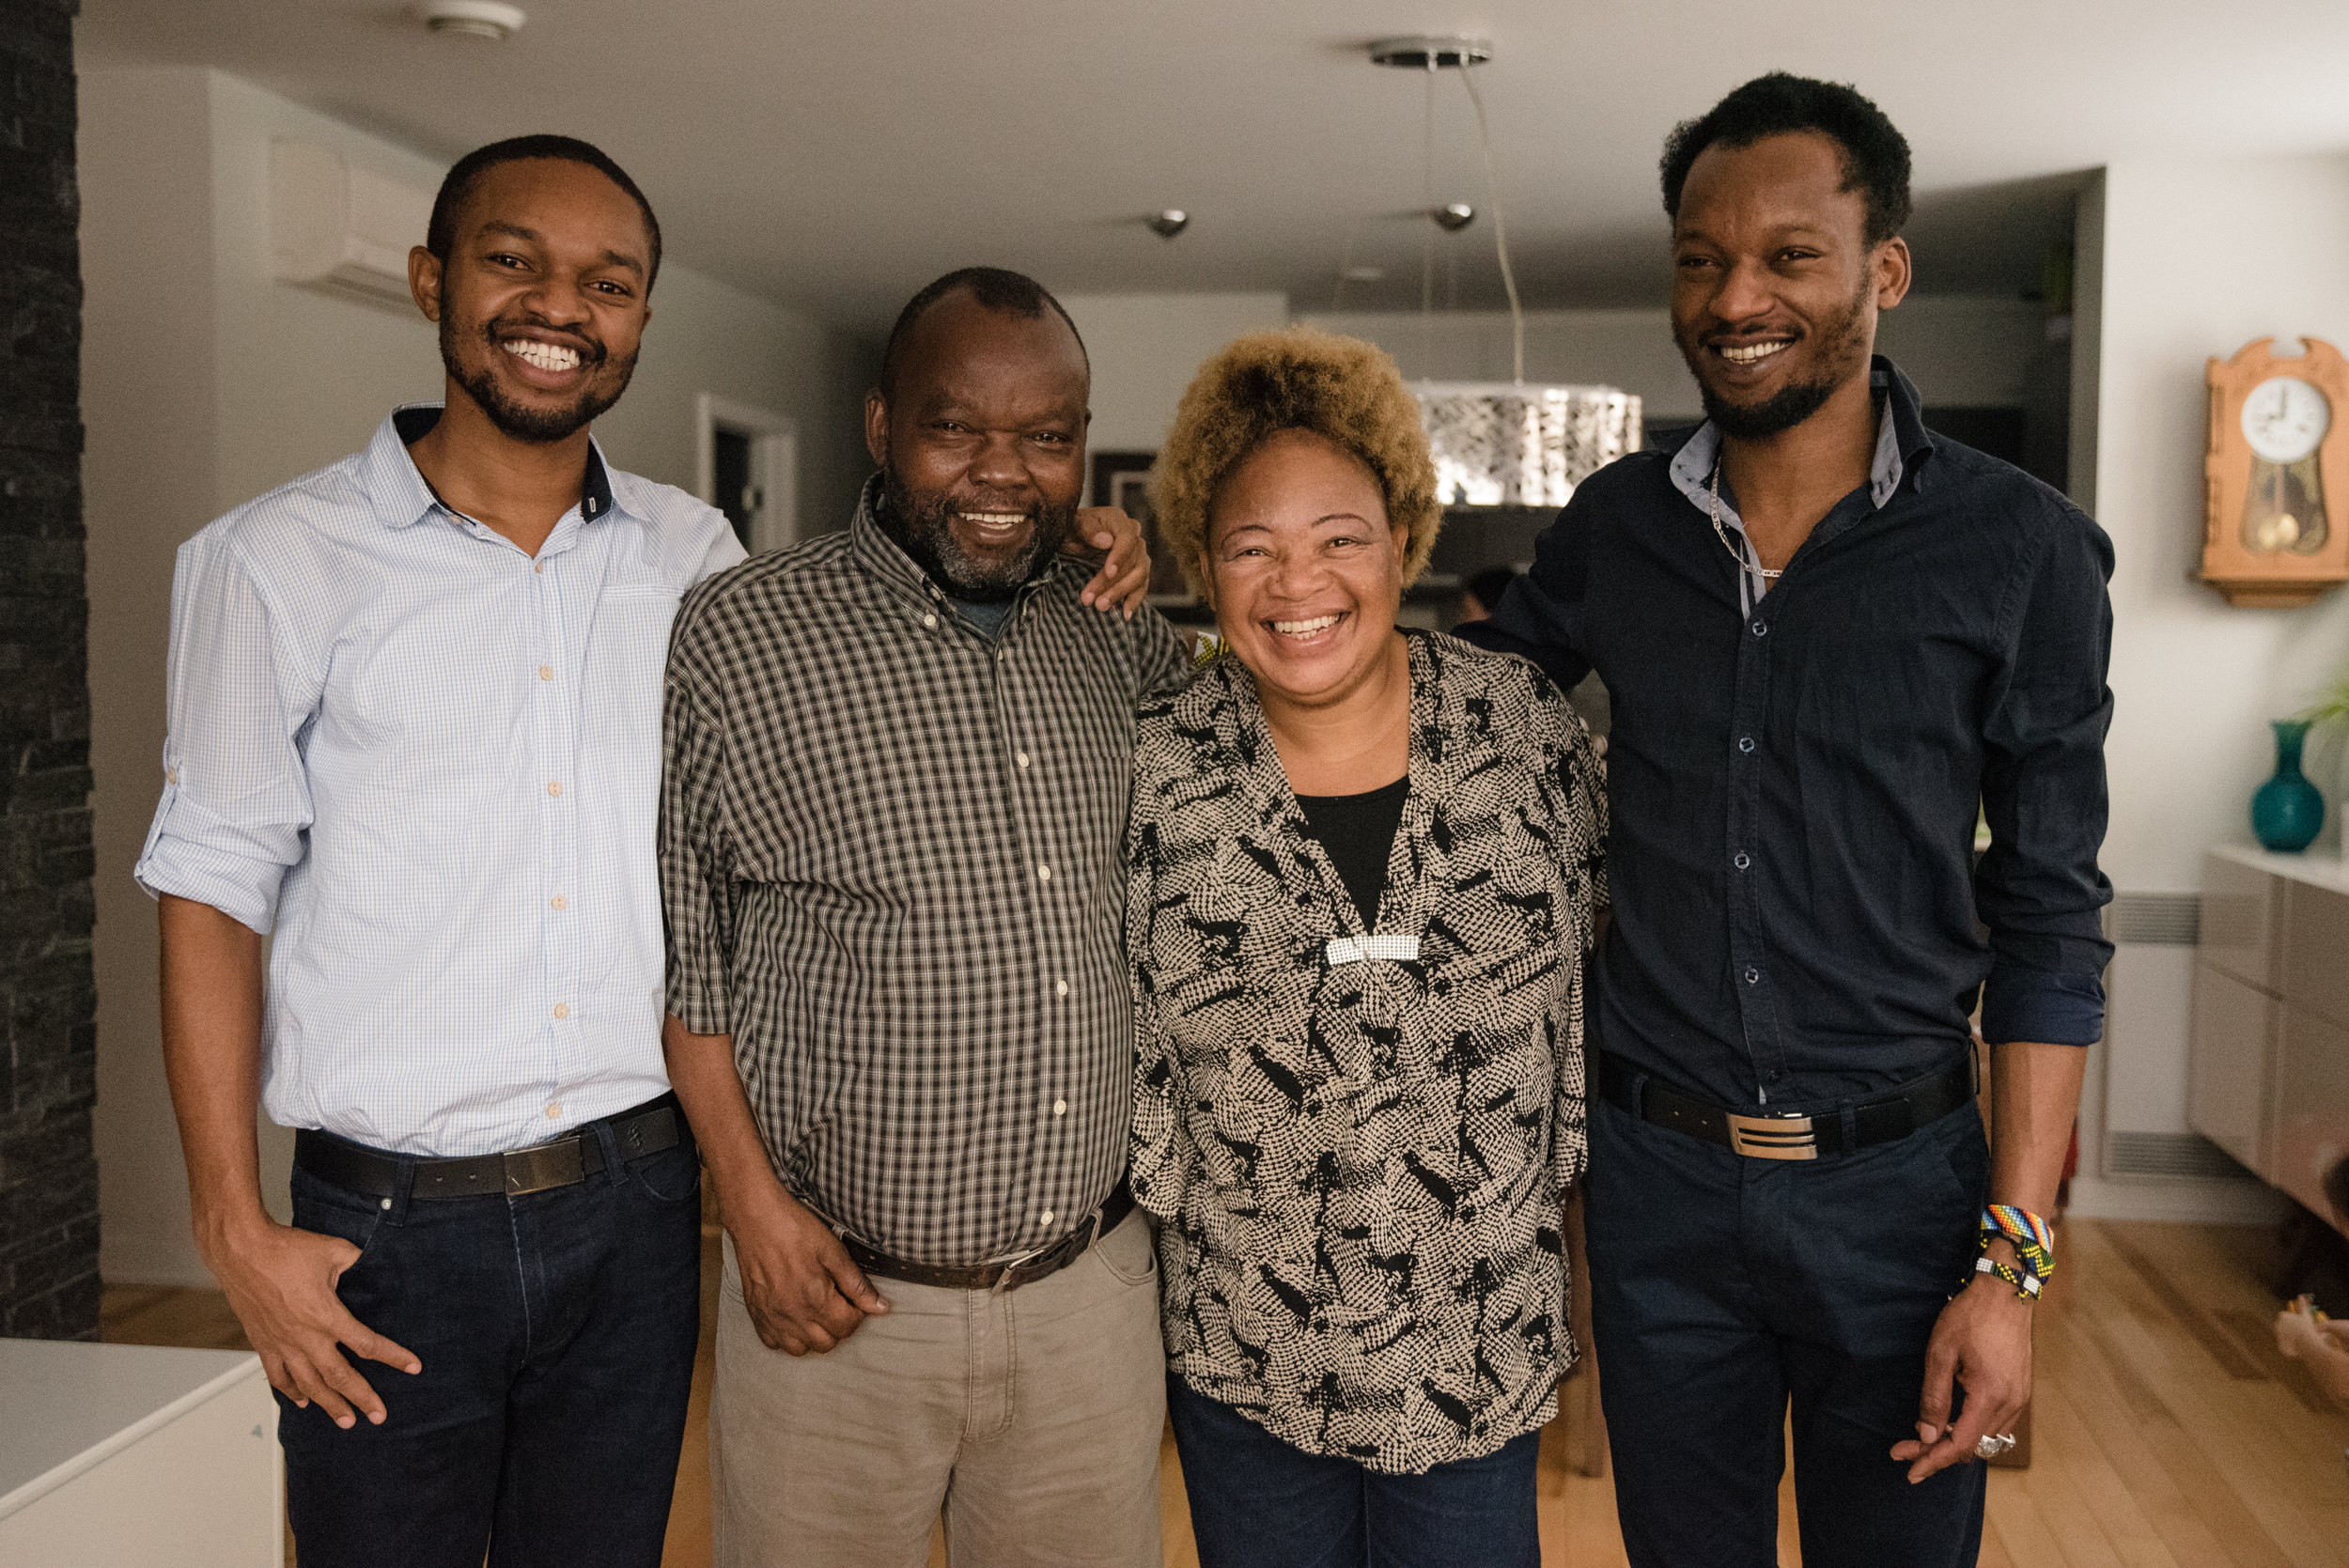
(898, 767)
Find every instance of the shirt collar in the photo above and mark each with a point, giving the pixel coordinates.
(398, 490)
(1902, 444)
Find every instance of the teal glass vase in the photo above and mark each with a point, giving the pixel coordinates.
(2287, 811)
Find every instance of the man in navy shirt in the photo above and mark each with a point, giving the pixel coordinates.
(1832, 639)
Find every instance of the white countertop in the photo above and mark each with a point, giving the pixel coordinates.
(2323, 870)
(71, 1405)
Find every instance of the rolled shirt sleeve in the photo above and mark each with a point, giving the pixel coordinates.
(236, 803)
(696, 888)
(2038, 888)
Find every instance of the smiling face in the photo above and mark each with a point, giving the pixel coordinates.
(541, 303)
(1775, 286)
(981, 442)
(1303, 568)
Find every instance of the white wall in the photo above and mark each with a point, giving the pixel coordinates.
(149, 477)
(206, 381)
(2199, 258)
(2179, 261)
(1145, 347)
(1960, 350)
(707, 336)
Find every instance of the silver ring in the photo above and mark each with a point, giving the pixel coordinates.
(1992, 1444)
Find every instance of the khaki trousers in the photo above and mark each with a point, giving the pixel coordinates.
(1031, 1418)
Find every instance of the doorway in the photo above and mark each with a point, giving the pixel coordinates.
(747, 466)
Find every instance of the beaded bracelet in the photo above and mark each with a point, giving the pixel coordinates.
(2033, 1240)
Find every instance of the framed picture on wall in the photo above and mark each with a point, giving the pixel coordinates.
(1120, 479)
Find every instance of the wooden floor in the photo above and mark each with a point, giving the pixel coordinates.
(2166, 1431)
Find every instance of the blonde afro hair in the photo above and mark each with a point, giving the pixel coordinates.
(1344, 389)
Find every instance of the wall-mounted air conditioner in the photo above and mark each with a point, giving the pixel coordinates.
(337, 226)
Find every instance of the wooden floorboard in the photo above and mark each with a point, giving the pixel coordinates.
(2168, 1431)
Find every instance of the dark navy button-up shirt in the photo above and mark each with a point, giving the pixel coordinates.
(1798, 913)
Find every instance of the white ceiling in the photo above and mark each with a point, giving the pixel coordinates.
(836, 156)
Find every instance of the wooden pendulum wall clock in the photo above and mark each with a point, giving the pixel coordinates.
(2278, 464)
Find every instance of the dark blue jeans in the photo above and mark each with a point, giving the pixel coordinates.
(1725, 1289)
(557, 1332)
(1256, 1502)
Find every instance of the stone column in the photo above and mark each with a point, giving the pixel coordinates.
(48, 1031)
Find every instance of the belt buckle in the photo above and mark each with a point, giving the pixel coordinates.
(561, 1163)
(1773, 1137)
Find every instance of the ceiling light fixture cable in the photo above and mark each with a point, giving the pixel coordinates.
(1427, 239)
(1501, 229)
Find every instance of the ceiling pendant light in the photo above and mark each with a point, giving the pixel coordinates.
(1168, 224)
(1503, 444)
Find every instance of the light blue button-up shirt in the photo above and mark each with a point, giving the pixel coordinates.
(428, 767)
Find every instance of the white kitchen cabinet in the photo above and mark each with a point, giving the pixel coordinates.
(2268, 1061)
(136, 1456)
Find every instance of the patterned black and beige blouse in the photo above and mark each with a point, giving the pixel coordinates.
(1356, 1147)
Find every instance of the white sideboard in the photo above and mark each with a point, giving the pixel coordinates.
(2269, 1057)
(133, 1456)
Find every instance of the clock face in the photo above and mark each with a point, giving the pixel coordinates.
(2285, 418)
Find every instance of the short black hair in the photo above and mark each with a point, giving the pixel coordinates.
(1876, 154)
(439, 234)
(1005, 293)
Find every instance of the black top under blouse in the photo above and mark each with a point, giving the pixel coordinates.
(1358, 834)
(1357, 831)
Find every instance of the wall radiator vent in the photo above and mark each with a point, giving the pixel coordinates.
(2166, 919)
(2167, 1154)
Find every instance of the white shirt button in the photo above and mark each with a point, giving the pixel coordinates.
(1060, 1108)
(1022, 759)
(1048, 1217)
(1060, 987)
(1043, 873)
(562, 1009)
(538, 566)
(558, 902)
(555, 787)
(553, 1111)
(546, 671)
(929, 620)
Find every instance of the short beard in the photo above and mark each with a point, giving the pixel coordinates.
(1797, 400)
(926, 533)
(538, 427)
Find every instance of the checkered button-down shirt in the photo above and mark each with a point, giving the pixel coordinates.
(890, 851)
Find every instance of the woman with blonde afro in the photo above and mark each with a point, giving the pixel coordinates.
(1363, 863)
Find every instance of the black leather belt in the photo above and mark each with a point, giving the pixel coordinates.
(1880, 1120)
(1000, 1275)
(646, 1130)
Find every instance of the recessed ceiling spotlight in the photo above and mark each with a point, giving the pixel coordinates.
(1430, 54)
(472, 19)
(1170, 223)
(1365, 274)
(1452, 216)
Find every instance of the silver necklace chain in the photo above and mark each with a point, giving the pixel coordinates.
(1723, 533)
